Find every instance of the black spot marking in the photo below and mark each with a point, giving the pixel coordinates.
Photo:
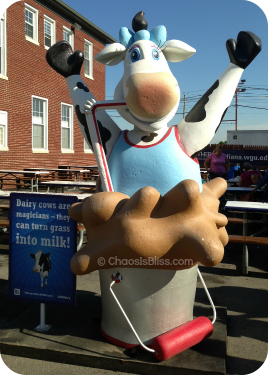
(81, 86)
(198, 112)
(105, 134)
(45, 262)
(196, 153)
(149, 138)
(83, 121)
(221, 119)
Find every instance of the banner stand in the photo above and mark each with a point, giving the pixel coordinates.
(42, 327)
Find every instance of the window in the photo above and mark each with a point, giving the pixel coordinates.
(87, 149)
(3, 46)
(68, 35)
(234, 136)
(88, 67)
(39, 121)
(3, 130)
(31, 24)
(66, 127)
(49, 32)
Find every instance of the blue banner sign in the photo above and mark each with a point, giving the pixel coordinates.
(42, 241)
(255, 157)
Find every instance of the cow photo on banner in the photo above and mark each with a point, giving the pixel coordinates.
(42, 240)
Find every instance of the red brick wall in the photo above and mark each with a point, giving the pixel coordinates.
(29, 74)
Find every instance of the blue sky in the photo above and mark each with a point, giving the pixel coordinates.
(204, 25)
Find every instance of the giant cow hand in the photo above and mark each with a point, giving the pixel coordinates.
(244, 50)
(175, 231)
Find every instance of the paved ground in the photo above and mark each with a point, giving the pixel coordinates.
(246, 299)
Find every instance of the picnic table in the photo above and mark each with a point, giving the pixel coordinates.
(245, 208)
(91, 167)
(62, 184)
(16, 178)
(65, 174)
(237, 190)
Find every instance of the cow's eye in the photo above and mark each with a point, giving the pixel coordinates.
(135, 55)
(155, 54)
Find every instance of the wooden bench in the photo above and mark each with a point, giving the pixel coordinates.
(235, 220)
(4, 206)
(4, 223)
(21, 182)
(247, 240)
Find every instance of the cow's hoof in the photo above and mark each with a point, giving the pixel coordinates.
(242, 52)
(63, 60)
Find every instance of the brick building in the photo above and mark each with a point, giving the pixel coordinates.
(38, 127)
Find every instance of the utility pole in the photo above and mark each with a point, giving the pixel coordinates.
(238, 89)
(184, 99)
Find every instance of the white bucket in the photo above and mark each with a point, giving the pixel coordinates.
(155, 302)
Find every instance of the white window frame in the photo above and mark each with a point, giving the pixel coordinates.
(70, 149)
(43, 149)
(3, 43)
(53, 30)
(86, 149)
(90, 45)
(35, 24)
(4, 146)
(71, 34)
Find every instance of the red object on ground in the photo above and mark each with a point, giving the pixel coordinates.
(181, 338)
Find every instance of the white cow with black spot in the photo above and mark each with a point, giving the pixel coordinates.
(152, 154)
(42, 265)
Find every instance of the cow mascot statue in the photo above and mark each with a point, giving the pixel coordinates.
(151, 229)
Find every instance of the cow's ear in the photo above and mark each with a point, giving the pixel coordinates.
(112, 54)
(177, 51)
(32, 255)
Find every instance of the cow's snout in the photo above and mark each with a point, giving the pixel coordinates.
(152, 95)
(35, 269)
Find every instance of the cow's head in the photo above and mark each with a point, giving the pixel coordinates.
(36, 257)
(149, 88)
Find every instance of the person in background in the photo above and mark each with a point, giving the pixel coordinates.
(262, 182)
(255, 178)
(245, 178)
(217, 164)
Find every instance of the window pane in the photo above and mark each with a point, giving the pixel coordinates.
(48, 33)
(86, 62)
(1, 44)
(86, 146)
(65, 116)
(29, 23)
(65, 138)
(38, 111)
(1, 136)
(66, 36)
(28, 16)
(38, 136)
(87, 65)
(86, 51)
(29, 30)
(2, 21)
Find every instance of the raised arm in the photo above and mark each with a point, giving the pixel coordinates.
(207, 163)
(227, 165)
(202, 122)
(68, 63)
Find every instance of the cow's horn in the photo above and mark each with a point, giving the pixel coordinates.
(139, 22)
